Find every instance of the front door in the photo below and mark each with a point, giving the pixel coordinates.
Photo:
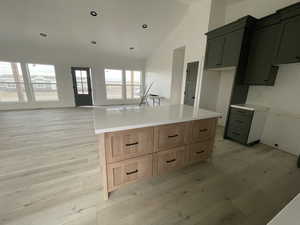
(82, 86)
(190, 83)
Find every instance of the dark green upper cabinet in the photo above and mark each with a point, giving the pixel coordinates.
(289, 49)
(214, 52)
(224, 45)
(260, 69)
(232, 48)
(224, 51)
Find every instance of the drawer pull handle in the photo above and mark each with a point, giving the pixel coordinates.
(132, 172)
(200, 152)
(236, 133)
(203, 130)
(131, 144)
(172, 136)
(170, 161)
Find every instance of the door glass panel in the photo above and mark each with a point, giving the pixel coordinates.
(82, 82)
(85, 88)
(83, 76)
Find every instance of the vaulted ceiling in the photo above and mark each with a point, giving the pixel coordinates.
(68, 23)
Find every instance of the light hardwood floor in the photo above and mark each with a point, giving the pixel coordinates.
(49, 175)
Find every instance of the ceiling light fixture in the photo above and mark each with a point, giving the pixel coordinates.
(145, 26)
(43, 34)
(93, 42)
(93, 13)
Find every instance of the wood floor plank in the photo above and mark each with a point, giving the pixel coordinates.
(50, 175)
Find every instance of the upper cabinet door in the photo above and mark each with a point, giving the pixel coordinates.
(232, 48)
(214, 53)
(289, 49)
(260, 69)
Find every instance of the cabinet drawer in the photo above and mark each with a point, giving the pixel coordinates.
(128, 144)
(200, 151)
(128, 171)
(169, 160)
(241, 112)
(238, 121)
(202, 130)
(169, 136)
(237, 134)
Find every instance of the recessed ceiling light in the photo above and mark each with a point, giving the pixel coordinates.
(145, 26)
(131, 48)
(93, 13)
(43, 34)
(93, 42)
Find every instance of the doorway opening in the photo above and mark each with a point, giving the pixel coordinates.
(191, 83)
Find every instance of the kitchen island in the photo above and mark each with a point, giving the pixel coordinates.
(137, 142)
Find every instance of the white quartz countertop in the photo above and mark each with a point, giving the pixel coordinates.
(130, 117)
(289, 215)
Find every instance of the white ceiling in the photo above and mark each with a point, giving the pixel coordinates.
(69, 24)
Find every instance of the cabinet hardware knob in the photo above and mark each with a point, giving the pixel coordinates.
(170, 161)
(200, 152)
(135, 143)
(172, 136)
(132, 172)
(203, 130)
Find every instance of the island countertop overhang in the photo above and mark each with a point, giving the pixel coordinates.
(111, 119)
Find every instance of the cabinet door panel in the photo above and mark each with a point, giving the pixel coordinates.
(202, 130)
(200, 151)
(128, 144)
(214, 54)
(232, 48)
(169, 136)
(128, 171)
(262, 54)
(170, 160)
(289, 50)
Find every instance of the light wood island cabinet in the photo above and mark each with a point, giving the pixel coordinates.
(138, 142)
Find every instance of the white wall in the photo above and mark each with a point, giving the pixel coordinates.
(64, 59)
(224, 94)
(283, 123)
(189, 33)
(212, 94)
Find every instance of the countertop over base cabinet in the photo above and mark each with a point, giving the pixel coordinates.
(137, 142)
(130, 155)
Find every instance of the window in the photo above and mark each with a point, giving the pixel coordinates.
(117, 84)
(12, 87)
(43, 82)
(114, 84)
(133, 84)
